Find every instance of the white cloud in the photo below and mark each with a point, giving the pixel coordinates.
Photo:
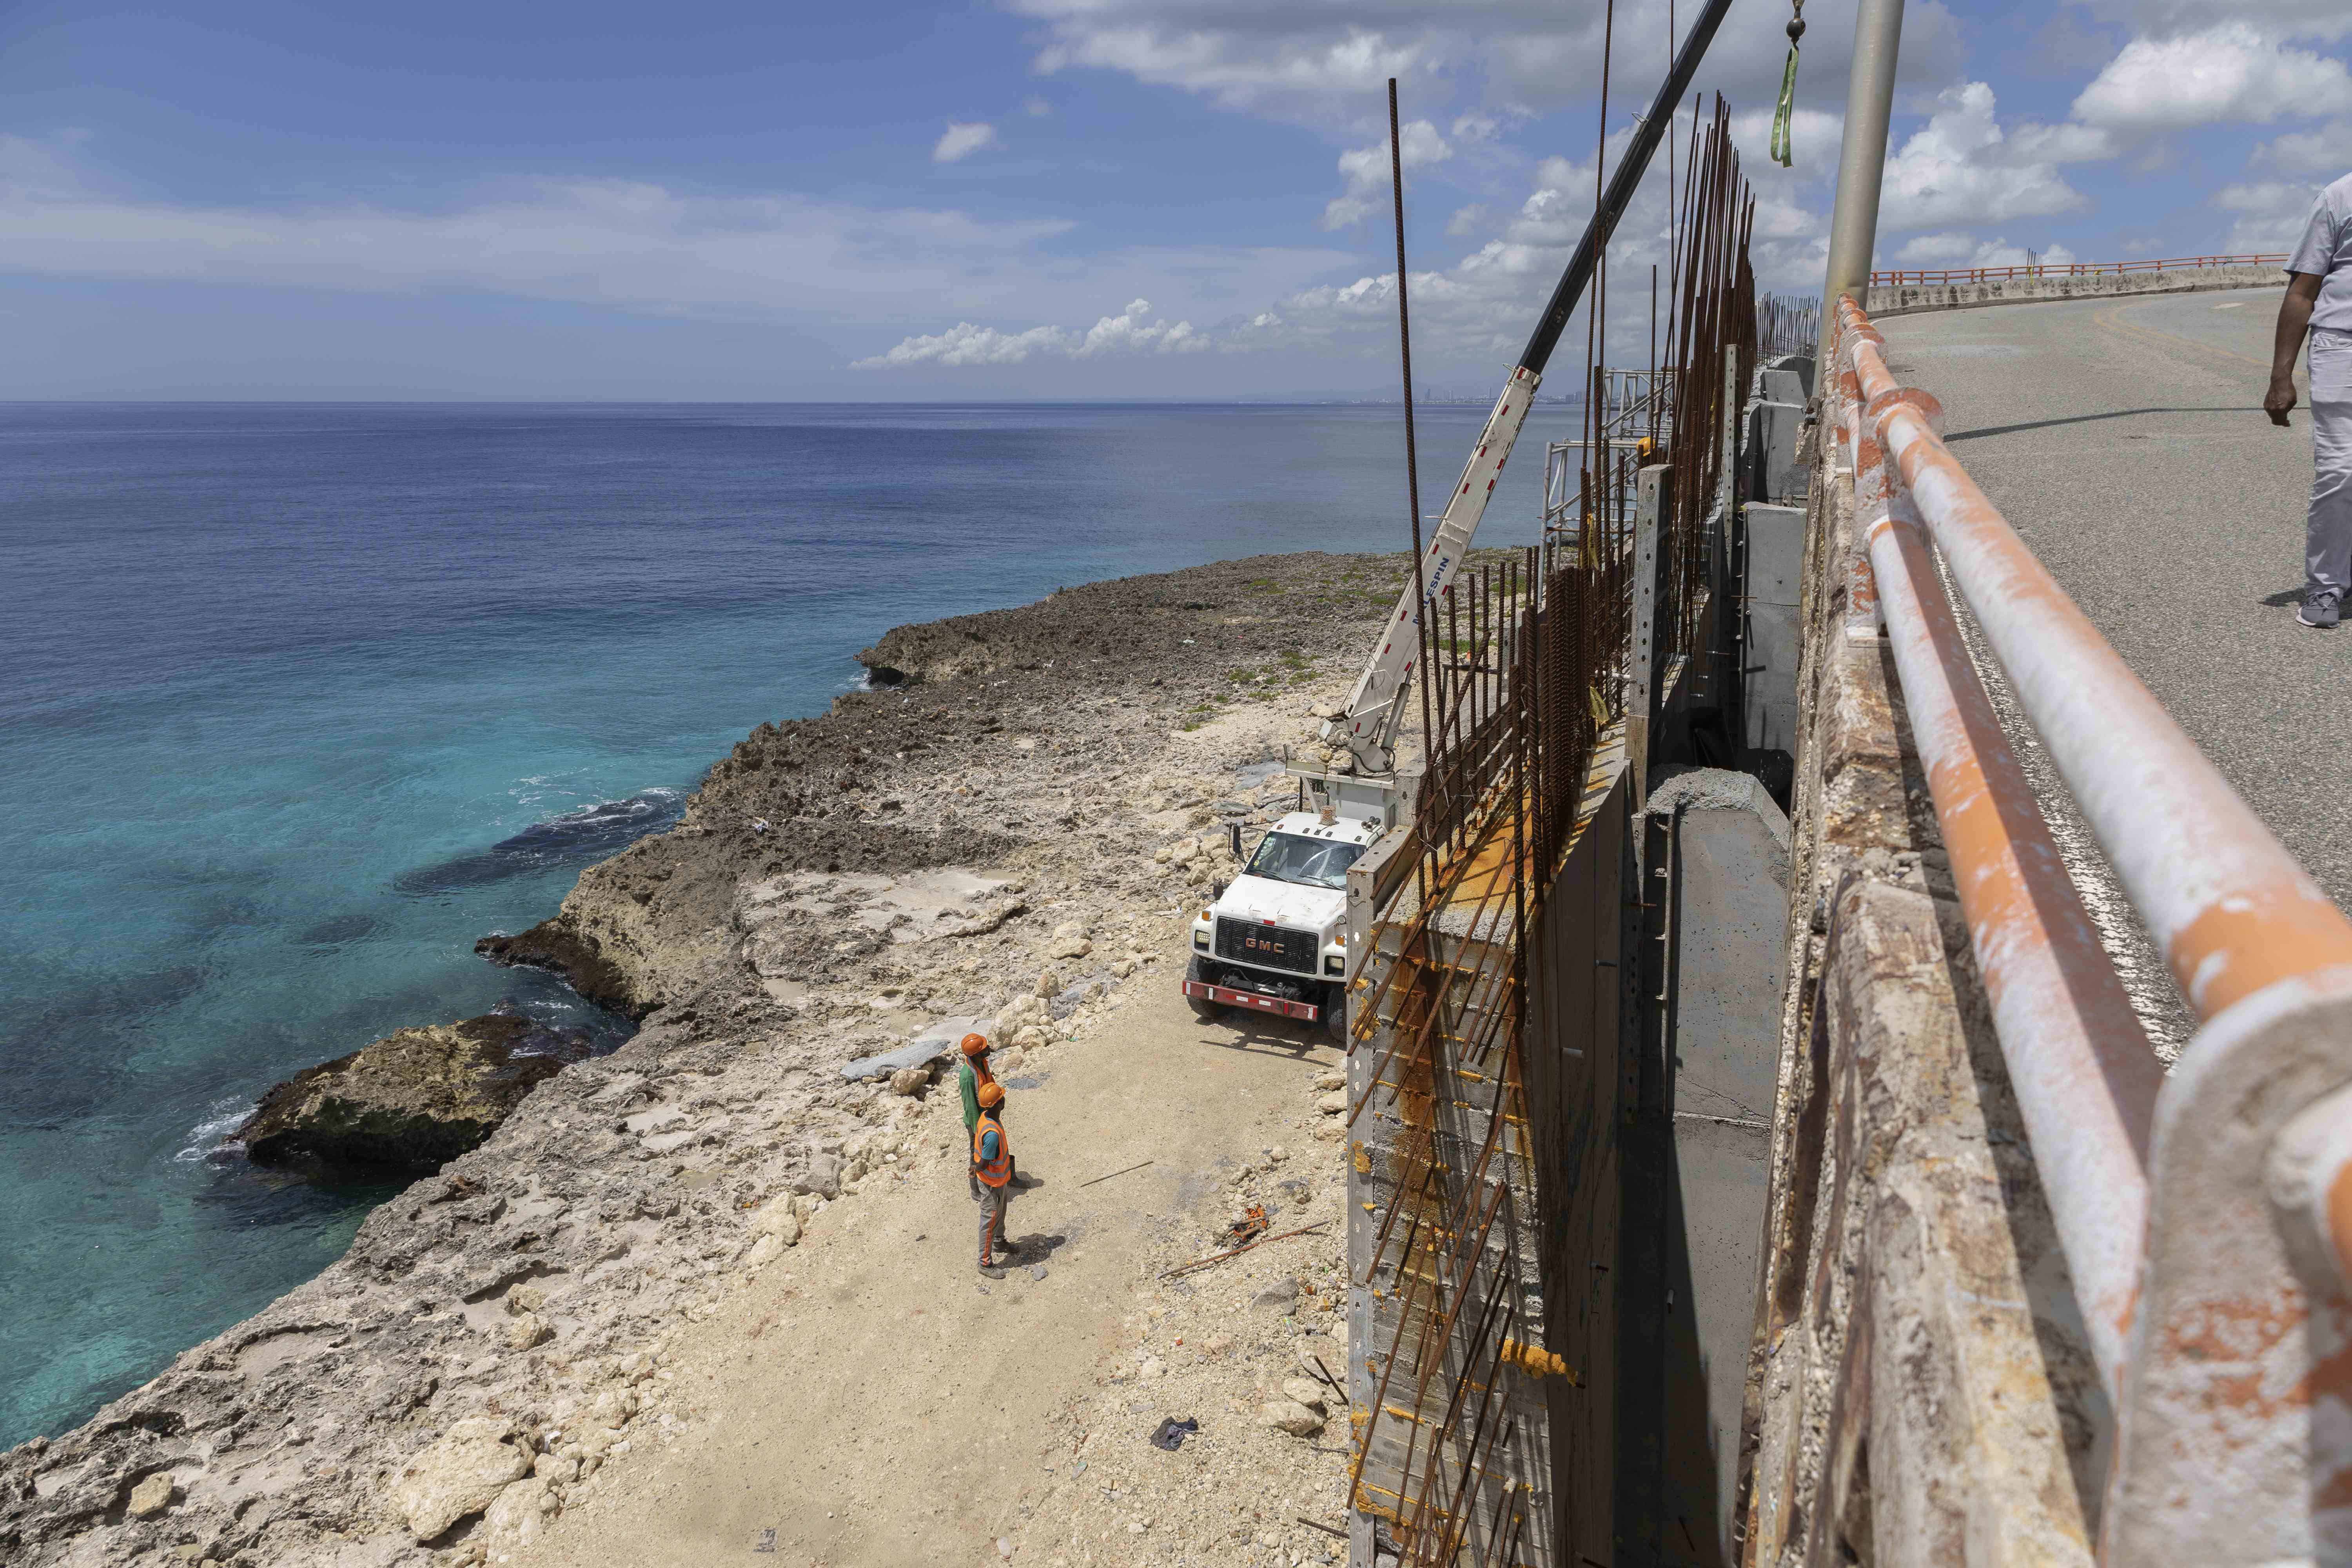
(2271, 214)
(1966, 250)
(848, 271)
(1133, 330)
(2326, 150)
(1366, 172)
(1467, 219)
(2223, 74)
(1962, 168)
(1036, 108)
(962, 141)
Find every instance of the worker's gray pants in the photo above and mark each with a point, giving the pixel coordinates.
(2328, 537)
(992, 1212)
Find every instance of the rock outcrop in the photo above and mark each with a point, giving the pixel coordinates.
(802, 914)
(410, 1103)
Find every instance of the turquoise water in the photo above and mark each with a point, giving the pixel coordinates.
(303, 700)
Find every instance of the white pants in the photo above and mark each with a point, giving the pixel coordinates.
(2327, 542)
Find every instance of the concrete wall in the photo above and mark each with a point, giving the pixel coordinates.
(1908, 299)
(1920, 1391)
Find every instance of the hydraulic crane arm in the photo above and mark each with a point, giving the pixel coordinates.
(1368, 725)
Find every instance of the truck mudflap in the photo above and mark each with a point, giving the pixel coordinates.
(1227, 997)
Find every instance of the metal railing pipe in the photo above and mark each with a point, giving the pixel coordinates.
(2078, 1059)
(2227, 904)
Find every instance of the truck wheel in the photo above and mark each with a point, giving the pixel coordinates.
(1335, 1014)
(1202, 1008)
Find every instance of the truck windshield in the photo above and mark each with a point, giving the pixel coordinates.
(1309, 862)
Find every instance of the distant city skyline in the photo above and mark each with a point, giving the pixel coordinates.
(1031, 198)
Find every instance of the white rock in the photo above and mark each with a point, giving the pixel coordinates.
(1009, 1060)
(1164, 854)
(1333, 1104)
(1183, 850)
(909, 1081)
(780, 1219)
(823, 1177)
(1152, 1367)
(1333, 1080)
(517, 1514)
(525, 1298)
(1307, 1392)
(1286, 1415)
(558, 1469)
(526, 1330)
(1070, 947)
(763, 1252)
(654, 1121)
(1049, 984)
(670, 1142)
(1028, 1037)
(461, 1475)
(152, 1496)
(1123, 968)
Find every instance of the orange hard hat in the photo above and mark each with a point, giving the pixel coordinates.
(974, 1044)
(992, 1094)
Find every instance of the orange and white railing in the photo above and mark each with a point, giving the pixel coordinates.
(2062, 269)
(2205, 1215)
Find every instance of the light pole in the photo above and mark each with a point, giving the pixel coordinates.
(1862, 161)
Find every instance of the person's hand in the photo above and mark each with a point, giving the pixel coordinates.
(2279, 399)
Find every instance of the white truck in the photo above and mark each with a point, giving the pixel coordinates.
(1275, 939)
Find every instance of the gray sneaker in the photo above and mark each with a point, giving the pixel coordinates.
(2320, 611)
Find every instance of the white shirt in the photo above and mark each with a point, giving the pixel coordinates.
(2326, 251)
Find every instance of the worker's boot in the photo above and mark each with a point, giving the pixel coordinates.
(992, 1270)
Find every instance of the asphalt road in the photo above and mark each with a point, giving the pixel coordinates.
(2124, 441)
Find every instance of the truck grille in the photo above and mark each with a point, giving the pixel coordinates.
(1271, 947)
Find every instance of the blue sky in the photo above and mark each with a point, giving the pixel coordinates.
(1027, 198)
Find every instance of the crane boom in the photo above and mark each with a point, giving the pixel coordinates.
(1368, 725)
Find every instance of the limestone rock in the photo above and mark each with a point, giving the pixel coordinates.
(525, 1298)
(763, 1252)
(823, 1177)
(1333, 1103)
(780, 1220)
(1331, 1080)
(411, 1100)
(526, 1330)
(1070, 947)
(909, 1080)
(1049, 984)
(517, 1514)
(462, 1474)
(1027, 1037)
(556, 1469)
(152, 1496)
(1307, 1392)
(1011, 1059)
(1286, 1415)
(1283, 1293)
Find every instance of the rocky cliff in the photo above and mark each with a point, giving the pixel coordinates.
(1027, 796)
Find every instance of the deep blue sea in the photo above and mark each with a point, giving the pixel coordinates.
(301, 700)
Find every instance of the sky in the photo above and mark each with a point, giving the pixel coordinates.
(717, 200)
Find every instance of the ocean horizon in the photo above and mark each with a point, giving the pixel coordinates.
(305, 697)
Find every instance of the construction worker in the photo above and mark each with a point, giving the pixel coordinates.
(992, 1175)
(970, 1076)
(2318, 307)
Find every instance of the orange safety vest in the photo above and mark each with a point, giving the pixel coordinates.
(999, 1171)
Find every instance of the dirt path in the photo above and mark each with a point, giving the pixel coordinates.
(870, 1399)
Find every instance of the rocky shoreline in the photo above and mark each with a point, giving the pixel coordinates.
(994, 833)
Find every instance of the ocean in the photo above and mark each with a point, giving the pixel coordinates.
(303, 699)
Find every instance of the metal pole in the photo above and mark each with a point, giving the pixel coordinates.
(1862, 159)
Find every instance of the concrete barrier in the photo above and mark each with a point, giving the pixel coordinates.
(1909, 299)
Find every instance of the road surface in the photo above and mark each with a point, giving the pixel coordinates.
(2124, 441)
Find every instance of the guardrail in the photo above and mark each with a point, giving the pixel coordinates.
(2205, 1216)
(2062, 269)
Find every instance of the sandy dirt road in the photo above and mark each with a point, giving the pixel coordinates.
(871, 1399)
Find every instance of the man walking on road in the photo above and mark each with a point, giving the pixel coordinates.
(991, 1171)
(2319, 302)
